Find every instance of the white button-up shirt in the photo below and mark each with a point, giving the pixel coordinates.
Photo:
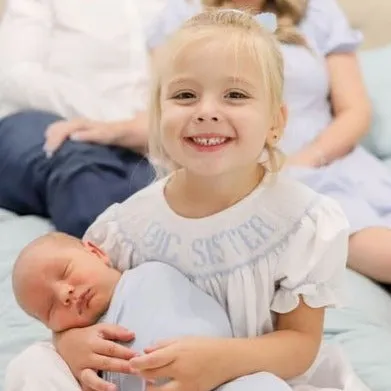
(76, 58)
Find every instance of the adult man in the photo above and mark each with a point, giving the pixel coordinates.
(73, 87)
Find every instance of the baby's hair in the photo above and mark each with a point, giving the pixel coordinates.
(239, 32)
(48, 242)
(289, 14)
(56, 239)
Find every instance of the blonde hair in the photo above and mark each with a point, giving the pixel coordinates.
(289, 14)
(246, 35)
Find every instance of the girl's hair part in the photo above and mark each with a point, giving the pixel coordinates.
(237, 32)
(289, 14)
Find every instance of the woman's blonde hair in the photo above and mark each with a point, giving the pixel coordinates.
(237, 32)
(289, 14)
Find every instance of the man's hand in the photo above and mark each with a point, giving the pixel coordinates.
(130, 134)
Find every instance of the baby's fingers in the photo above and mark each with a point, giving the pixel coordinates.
(113, 349)
(115, 332)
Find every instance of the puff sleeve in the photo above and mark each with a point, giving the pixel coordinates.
(314, 267)
(332, 31)
(107, 234)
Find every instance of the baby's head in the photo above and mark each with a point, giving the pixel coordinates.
(217, 95)
(63, 282)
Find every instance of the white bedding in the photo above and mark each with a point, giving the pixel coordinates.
(17, 330)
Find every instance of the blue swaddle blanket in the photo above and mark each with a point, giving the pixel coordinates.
(157, 302)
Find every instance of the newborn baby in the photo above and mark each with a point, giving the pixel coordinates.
(67, 283)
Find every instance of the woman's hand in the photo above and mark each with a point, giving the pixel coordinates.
(91, 349)
(307, 157)
(191, 364)
(130, 134)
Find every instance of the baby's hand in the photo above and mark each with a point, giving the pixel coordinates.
(91, 349)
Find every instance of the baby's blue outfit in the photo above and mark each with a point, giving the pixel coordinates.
(359, 181)
(157, 302)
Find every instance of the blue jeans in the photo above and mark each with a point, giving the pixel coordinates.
(74, 186)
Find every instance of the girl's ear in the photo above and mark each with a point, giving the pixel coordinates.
(277, 130)
(97, 251)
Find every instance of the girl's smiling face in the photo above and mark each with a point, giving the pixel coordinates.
(215, 116)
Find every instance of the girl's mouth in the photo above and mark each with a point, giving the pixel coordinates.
(208, 144)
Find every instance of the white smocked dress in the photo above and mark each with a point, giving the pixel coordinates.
(359, 181)
(255, 258)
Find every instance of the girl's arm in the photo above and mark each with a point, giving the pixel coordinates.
(351, 109)
(288, 352)
(206, 363)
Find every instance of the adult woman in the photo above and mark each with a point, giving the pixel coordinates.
(329, 112)
(69, 70)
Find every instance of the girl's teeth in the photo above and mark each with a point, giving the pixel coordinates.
(209, 141)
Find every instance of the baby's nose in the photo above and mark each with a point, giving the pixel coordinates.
(67, 295)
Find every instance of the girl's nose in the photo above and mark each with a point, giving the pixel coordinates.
(201, 119)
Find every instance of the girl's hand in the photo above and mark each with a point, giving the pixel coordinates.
(191, 364)
(91, 349)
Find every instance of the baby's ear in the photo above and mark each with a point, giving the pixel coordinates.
(97, 251)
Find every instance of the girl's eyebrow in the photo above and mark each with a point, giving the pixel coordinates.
(229, 79)
(179, 80)
(239, 80)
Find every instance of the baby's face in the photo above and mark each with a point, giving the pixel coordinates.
(67, 287)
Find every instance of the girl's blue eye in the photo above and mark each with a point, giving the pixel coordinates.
(184, 95)
(236, 95)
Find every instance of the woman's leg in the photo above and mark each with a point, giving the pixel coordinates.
(74, 186)
(370, 253)
(262, 381)
(39, 368)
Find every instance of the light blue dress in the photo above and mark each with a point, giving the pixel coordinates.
(359, 181)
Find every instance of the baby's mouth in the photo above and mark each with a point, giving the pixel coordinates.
(83, 300)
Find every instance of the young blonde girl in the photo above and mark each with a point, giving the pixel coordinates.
(329, 114)
(271, 251)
